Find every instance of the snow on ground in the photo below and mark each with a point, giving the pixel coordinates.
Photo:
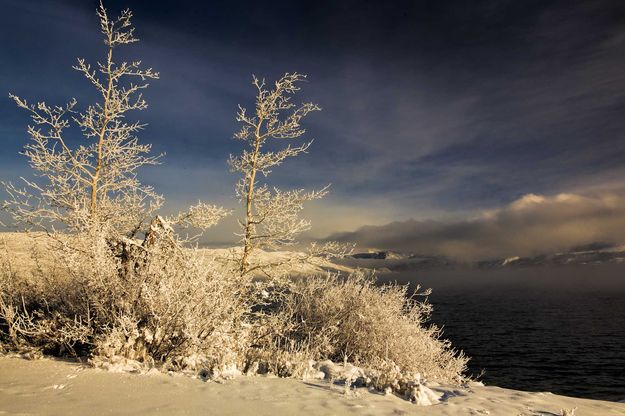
(23, 248)
(319, 266)
(54, 387)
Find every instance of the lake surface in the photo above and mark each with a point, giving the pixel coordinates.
(559, 337)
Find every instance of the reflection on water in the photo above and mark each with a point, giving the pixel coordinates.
(539, 333)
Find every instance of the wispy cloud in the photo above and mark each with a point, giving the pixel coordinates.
(452, 109)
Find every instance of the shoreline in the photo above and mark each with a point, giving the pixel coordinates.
(56, 387)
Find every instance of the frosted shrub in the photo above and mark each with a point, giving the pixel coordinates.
(175, 309)
(41, 307)
(379, 329)
(151, 301)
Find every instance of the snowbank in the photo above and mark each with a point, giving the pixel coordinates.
(54, 387)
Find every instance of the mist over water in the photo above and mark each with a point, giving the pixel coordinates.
(556, 329)
(550, 279)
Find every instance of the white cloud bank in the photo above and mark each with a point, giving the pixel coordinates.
(532, 224)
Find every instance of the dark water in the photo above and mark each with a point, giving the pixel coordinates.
(564, 338)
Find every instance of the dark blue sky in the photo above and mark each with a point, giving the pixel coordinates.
(431, 110)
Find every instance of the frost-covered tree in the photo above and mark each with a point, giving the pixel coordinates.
(271, 215)
(109, 294)
(93, 186)
(92, 183)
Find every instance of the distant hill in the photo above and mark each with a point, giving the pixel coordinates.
(592, 254)
(380, 255)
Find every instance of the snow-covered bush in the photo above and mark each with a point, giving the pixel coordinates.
(152, 301)
(379, 329)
